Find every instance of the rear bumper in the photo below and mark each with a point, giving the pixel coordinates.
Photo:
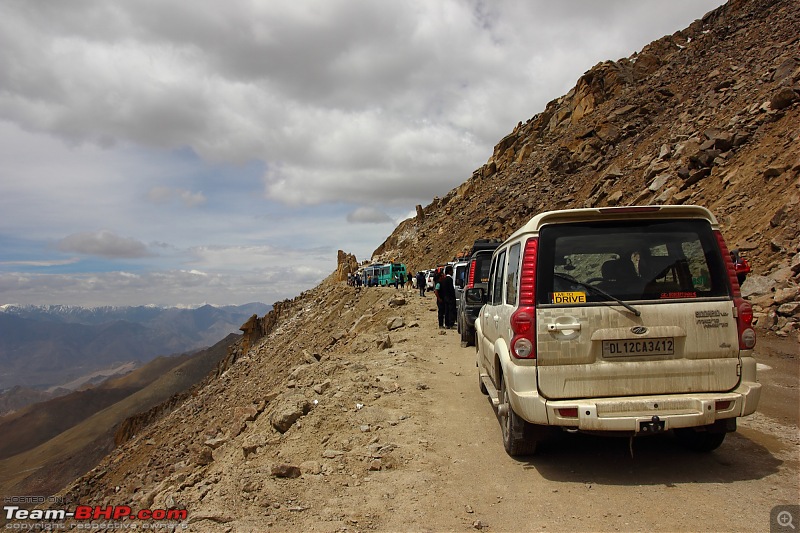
(630, 413)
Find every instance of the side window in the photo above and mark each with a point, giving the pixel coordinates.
(512, 277)
(490, 282)
(496, 279)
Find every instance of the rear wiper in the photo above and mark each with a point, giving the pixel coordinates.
(599, 291)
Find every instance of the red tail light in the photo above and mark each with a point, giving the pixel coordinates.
(471, 279)
(744, 311)
(726, 257)
(523, 320)
(527, 278)
(744, 321)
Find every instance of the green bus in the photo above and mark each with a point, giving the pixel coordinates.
(383, 274)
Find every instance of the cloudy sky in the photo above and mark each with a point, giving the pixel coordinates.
(172, 152)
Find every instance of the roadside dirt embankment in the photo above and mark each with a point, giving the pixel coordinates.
(376, 422)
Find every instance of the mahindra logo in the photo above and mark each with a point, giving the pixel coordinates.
(638, 330)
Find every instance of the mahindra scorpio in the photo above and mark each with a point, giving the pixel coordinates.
(624, 320)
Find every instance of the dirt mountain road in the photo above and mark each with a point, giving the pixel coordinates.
(396, 436)
(581, 483)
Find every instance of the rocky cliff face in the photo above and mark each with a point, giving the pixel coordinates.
(705, 116)
(708, 115)
(345, 264)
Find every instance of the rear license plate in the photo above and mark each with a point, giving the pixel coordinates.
(630, 347)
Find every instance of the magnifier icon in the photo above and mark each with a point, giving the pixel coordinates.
(785, 519)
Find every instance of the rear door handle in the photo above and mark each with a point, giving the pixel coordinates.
(575, 326)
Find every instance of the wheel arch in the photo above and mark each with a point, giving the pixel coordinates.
(501, 361)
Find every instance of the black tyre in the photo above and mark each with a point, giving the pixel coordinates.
(699, 441)
(465, 337)
(518, 438)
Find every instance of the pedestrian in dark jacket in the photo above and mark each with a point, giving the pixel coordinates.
(437, 290)
(448, 291)
(421, 283)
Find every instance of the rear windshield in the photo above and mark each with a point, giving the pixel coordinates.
(482, 264)
(638, 260)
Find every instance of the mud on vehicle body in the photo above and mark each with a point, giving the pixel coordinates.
(622, 320)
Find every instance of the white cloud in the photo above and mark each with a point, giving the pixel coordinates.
(368, 215)
(175, 287)
(243, 139)
(165, 195)
(43, 263)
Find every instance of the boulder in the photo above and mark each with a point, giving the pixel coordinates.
(656, 167)
(659, 181)
(785, 296)
(783, 98)
(613, 172)
(288, 411)
(394, 323)
(384, 343)
(756, 285)
(202, 455)
(785, 69)
(773, 171)
(397, 301)
(284, 470)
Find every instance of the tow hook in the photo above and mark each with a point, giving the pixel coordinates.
(502, 410)
(655, 425)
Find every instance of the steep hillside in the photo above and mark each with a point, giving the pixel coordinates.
(56, 442)
(38, 423)
(708, 116)
(308, 423)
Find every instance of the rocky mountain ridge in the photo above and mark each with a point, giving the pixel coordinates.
(706, 116)
(305, 425)
(75, 314)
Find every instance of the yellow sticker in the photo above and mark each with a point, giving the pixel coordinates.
(569, 297)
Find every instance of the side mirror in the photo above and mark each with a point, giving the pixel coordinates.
(476, 295)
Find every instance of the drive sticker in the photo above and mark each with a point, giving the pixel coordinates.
(672, 295)
(568, 297)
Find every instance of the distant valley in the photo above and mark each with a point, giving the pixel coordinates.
(46, 351)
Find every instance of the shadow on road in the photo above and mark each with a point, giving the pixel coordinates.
(658, 460)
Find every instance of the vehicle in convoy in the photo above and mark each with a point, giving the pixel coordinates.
(383, 274)
(477, 275)
(429, 275)
(459, 278)
(624, 320)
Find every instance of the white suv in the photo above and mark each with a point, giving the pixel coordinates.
(625, 320)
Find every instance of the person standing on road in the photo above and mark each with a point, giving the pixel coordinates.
(421, 283)
(448, 292)
(440, 304)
